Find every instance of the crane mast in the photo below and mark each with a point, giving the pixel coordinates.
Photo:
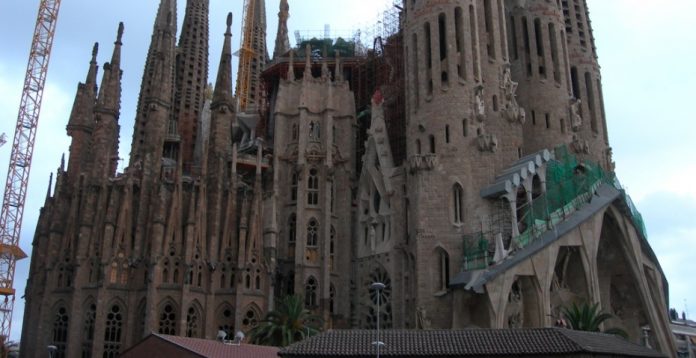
(246, 55)
(21, 156)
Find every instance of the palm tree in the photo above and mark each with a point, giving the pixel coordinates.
(290, 322)
(588, 317)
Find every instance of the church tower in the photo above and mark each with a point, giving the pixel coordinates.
(539, 58)
(314, 130)
(156, 91)
(464, 125)
(590, 140)
(191, 81)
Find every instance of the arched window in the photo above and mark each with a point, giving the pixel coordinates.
(167, 320)
(192, 323)
(313, 187)
(225, 317)
(88, 330)
(60, 332)
(258, 282)
(432, 144)
(332, 248)
(312, 233)
(443, 270)
(250, 319)
(459, 38)
(112, 332)
(293, 188)
(292, 228)
(311, 293)
(442, 36)
(458, 203)
(418, 146)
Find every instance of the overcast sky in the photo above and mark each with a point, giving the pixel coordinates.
(645, 49)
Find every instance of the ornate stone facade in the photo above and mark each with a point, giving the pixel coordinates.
(219, 213)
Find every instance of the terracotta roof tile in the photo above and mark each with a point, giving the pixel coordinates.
(440, 343)
(215, 349)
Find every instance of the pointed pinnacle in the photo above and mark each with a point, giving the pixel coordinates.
(95, 50)
(229, 22)
(120, 33)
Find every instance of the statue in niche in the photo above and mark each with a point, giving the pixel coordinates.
(515, 306)
(610, 159)
(580, 146)
(422, 320)
(479, 104)
(575, 117)
(314, 131)
(515, 320)
(511, 109)
(487, 142)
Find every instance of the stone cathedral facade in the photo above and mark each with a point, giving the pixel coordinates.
(469, 170)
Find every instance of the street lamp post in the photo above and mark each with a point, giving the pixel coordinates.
(378, 287)
(51, 350)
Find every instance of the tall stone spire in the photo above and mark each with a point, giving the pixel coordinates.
(156, 89)
(222, 106)
(81, 122)
(282, 45)
(253, 55)
(223, 84)
(107, 111)
(191, 80)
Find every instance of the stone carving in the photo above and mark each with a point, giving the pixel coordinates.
(580, 146)
(511, 109)
(575, 117)
(610, 159)
(479, 104)
(423, 322)
(422, 162)
(487, 142)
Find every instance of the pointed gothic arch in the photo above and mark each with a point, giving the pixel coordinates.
(251, 317)
(619, 286)
(442, 269)
(194, 320)
(523, 308)
(167, 317)
(570, 283)
(371, 298)
(60, 325)
(113, 328)
(88, 320)
(225, 319)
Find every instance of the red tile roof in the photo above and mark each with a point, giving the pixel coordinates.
(216, 349)
(462, 343)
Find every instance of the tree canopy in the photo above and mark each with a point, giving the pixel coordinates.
(290, 322)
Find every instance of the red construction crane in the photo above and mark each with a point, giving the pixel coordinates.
(20, 158)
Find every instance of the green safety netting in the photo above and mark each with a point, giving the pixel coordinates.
(475, 252)
(570, 184)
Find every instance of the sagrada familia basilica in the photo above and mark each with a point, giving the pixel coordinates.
(460, 157)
